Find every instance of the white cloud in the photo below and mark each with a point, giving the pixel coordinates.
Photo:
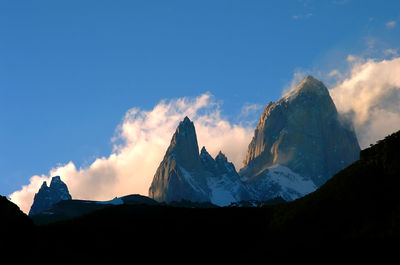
(139, 146)
(370, 95)
(391, 24)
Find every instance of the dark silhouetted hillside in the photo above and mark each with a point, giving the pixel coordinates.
(354, 216)
(16, 231)
(360, 202)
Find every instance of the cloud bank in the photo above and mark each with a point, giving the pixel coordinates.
(370, 95)
(139, 146)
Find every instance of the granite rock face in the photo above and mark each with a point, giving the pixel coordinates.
(184, 174)
(47, 196)
(304, 133)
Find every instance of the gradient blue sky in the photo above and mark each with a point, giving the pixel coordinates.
(69, 70)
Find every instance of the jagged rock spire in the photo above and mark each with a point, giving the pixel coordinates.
(221, 156)
(184, 146)
(47, 196)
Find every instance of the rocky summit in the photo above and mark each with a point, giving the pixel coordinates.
(184, 174)
(303, 139)
(47, 196)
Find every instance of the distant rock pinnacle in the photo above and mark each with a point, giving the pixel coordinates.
(48, 196)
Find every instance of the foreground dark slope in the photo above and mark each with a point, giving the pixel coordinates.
(361, 202)
(157, 233)
(16, 230)
(356, 213)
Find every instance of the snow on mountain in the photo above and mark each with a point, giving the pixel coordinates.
(280, 181)
(224, 191)
(191, 180)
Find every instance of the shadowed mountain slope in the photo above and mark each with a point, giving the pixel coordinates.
(353, 216)
(359, 202)
(16, 232)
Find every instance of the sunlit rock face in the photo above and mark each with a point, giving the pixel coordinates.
(303, 132)
(47, 196)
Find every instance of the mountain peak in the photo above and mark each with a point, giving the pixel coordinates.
(311, 82)
(185, 127)
(186, 122)
(204, 151)
(310, 79)
(48, 196)
(221, 156)
(184, 145)
(55, 180)
(44, 185)
(184, 131)
(308, 85)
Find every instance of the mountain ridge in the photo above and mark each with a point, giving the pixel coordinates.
(298, 144)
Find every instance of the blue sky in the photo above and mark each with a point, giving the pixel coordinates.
(70, 70)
